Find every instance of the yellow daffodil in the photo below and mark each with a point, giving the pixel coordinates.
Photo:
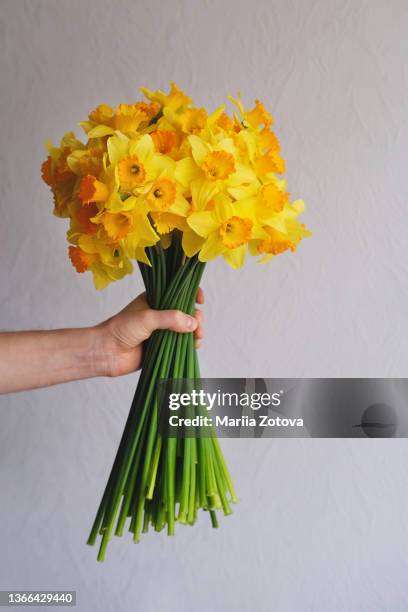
(126, 118)
(255, 117)
(268, 201)
(268, 141)
(218, 163)
(130, 227)
(165, 141)
(175, 100)
(278, 242)
(88, 161)
(279, 220)
(102, 191)
(193, 120)
(166, 204)
(270, 163)
(227, 229)
(185, 121)
(137, 163)
(255, 136)
(162, 195)
(107, 262)
(116, 225)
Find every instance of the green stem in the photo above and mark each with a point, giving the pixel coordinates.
(151, 474)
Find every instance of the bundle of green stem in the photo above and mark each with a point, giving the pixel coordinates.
(158, 479)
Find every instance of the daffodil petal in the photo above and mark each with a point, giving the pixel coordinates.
(235, 257)
(100, 278)
(226, 144)
(201, 193)
(244, 191)
(203, 223)
(140, 255)
(265, 259)
(186, 171)
(180, 206)
(99, 131)
(87, 244)
(242, 175)
(161, 164)
(199, 149)
(117, 148)
(237, 102)
(224, 208)
(277, 223)
(143, 148)
(116, 204)
(86, 126)
(191, 243)
(245, 208)
(299, 206)
(146, 230)
(258, 232)
(211, 248)
(213, 118)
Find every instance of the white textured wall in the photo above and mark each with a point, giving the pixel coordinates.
(322, 524)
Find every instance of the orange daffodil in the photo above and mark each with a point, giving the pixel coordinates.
(152, 171)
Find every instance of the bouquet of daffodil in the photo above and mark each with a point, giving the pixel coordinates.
(172, 187)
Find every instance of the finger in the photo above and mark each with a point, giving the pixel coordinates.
(198, 334)
(174, 320)
(197, 344)
(200, 296)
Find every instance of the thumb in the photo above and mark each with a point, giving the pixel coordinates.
(174, 320)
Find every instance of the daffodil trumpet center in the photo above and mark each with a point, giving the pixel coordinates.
(131, 172)
(218, 165)
(235, 232)
(273, 198)
(116, 225)
(164, 141)
(162, 195)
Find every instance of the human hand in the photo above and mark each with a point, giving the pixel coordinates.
(123, 335)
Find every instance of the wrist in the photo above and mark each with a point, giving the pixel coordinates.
(102, 350)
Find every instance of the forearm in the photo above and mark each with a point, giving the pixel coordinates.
(33, 359)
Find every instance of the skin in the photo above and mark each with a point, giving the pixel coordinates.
(33, 359)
